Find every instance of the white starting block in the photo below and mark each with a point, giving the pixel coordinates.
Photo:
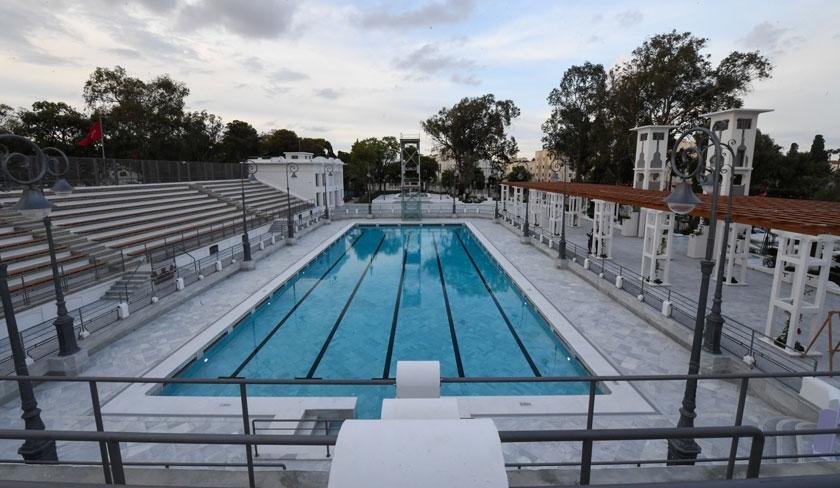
(418, 454)
(420, 441)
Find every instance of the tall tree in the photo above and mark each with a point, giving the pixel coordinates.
(239, 142)
(818, 151)
(53, 124)
(8, 118)
(576, 128)
(279, 141)
(471, 130)
(668, 80)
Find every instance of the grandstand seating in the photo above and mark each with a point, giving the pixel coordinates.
(97, 230)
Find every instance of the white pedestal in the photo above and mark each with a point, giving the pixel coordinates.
(630, 225)
(696, 246)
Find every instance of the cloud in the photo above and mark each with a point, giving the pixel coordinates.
(23, 28)
(254, 19)
(328, 93)
(428, 60)
(597, 18)
(253, 63)
(427, 15)
(771, 38)
(629, 18)
(158, 6)
(285, 74)
(123, 52)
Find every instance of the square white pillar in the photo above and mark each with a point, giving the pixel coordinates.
(657, 246)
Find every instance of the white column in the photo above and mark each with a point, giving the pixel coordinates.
(575, 212)
(799, 285)
(737, 253)
(555, 209)
(602, 229)
(656, 248)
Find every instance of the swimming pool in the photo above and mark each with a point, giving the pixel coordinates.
(384, 293)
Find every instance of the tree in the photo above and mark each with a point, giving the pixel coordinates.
(239, 142)
(576, 128)
(519, 173)
(818, 151)
(279, 141)
(8, 118)
(317, 146)
(471, 130)
(142, 119)
(52, 124)
(364, 155)
(447, 178)
(668, 80)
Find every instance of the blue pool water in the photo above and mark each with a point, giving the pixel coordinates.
(381, 294)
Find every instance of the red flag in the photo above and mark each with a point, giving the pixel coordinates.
(94, 134)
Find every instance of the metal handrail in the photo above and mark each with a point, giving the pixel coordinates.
(111, 457)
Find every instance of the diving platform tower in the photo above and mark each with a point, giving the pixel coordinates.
(410, 184)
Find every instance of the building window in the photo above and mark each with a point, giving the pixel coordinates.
(642, 137)
(744, 123)
(658, 136)
(720, 125)
(317, 199)
(317, 179)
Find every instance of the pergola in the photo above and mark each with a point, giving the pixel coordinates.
(808, 231)
(807, 217)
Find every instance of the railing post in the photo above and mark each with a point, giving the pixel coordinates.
(97, 416)
(586, 452)
(739, 418)
(243, 397)
(756, 451)
(116, 462)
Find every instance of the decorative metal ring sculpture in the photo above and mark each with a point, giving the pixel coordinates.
(251, 168)
(293, 168)
(329, 169)
(694, 152)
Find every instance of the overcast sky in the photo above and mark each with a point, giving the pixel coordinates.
(344, 70)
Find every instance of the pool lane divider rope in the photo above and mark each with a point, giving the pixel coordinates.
(387, 369)
(294, 307)
(334, 329)
(452, 333)
(501, 311)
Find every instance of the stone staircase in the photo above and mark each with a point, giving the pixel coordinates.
(787, 445)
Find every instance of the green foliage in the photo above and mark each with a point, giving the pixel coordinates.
(519, 173)
(239, 142)
(146, 119)
(793, 174)
(668, 80)
(471, 130)
(447, 178)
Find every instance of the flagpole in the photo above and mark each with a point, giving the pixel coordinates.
(102, 128)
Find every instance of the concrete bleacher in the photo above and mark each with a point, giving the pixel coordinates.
(258, 196)
(102, 231)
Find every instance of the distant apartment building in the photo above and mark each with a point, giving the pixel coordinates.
(541, 168)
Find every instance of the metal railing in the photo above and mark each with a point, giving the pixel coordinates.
(112, 463)
(40, 340)
(428, 210)
(112, 171)
(738, 338)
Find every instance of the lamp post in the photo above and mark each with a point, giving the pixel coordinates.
(682, 201)
(247, 171)
(367, 187)
(290, 223)
(454, 188)
(715, 321)
(494, 173)
(33, 205)
(31, 450)
(561, 251)
(328, 170)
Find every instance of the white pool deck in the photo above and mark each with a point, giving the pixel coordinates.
(624, 341)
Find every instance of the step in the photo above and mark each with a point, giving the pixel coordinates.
(189, 229)
(35, 261)
(109, 235)
(101, 227)
(103, 214)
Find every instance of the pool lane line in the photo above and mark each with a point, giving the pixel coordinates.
(449, 313)
(334, 329)
(501, 311)
(294, 307)
(387, 369)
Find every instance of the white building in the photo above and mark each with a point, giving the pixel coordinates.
(314, 179)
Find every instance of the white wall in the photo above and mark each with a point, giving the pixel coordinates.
(307, 183)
